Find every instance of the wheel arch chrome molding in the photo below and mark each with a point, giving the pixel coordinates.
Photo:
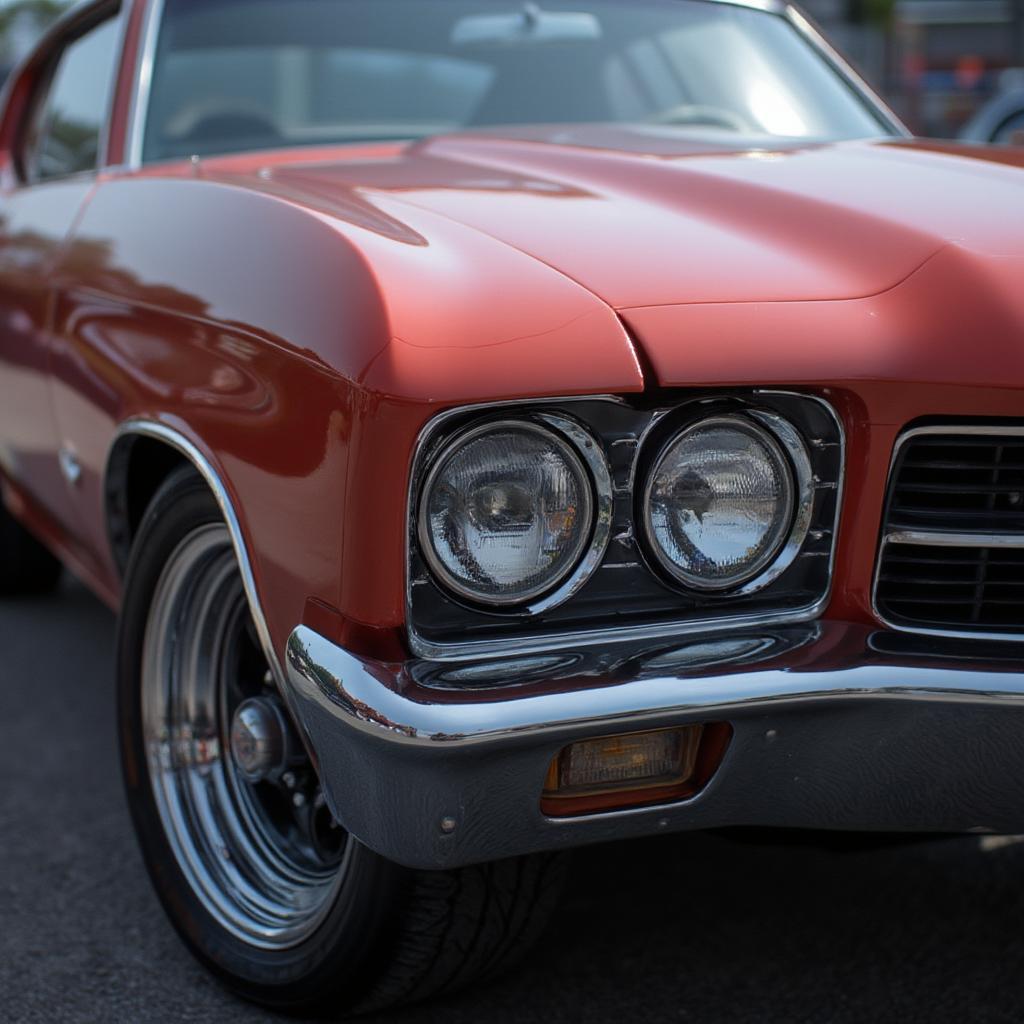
(938, 538)
(173, 438)
(424, 648)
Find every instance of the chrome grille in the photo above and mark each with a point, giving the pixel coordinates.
(952, 555)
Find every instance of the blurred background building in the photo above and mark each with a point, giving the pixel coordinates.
(937, 62)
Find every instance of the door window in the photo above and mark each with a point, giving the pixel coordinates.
(70, 118)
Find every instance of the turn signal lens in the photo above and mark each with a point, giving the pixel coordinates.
(647, 758)
(637, 768)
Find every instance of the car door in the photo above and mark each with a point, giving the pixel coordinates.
(59, 105)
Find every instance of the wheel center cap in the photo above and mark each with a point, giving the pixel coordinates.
(258, 739)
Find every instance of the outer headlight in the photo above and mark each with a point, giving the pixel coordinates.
(719, 504)
(506, 513)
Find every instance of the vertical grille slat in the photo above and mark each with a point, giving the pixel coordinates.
(950, 558)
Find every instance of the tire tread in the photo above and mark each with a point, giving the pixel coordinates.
(465, 926)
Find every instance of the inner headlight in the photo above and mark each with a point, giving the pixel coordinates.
(506, 513)
(719, 503)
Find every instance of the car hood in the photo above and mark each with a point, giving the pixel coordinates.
(641, 219)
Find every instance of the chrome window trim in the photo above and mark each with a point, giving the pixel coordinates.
(948, 539)
(789, 447)
(478, 649)
(136, 128)
(593, 465)
(136, 131)
(846, 71)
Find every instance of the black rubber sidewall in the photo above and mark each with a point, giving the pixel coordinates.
(334, 967)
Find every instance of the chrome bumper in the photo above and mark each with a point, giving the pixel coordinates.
(836, 726)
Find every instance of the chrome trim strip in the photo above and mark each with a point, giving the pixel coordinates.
(980, 540)
(505, 717)
(178, 441)
(938, 539)
(136, 132)
(955, 430)
(477, 649)
(793, 443)
(613, 634)
(845, 70)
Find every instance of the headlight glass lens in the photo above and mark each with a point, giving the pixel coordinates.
(506, 513)
(719, 503)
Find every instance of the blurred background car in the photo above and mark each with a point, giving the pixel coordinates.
(949, 68)
(1001, 120)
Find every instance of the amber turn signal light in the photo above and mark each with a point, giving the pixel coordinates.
(633, 769)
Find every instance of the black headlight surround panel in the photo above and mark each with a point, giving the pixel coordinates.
(628, 592)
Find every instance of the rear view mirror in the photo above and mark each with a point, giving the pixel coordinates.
(528, 26)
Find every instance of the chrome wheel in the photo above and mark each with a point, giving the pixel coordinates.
(250, 831)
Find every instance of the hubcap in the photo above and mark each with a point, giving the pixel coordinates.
(238, 798)
(258, 739)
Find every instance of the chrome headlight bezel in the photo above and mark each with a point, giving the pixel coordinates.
(584, 454)
(785, 444)
(621, 593)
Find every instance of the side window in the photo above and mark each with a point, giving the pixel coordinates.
(70, 116)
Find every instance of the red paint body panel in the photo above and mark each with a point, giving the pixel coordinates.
(301, 316)
(286, 342)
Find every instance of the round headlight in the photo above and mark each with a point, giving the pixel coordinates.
(506, 513)
(719, 503)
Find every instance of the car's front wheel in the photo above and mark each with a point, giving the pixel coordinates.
(262, 884)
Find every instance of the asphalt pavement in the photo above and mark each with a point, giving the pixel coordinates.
(703, 928)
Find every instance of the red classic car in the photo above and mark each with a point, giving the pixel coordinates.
(500, 429)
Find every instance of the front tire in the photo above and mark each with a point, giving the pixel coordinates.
(263, 886)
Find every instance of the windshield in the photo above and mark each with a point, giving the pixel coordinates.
(235, 75)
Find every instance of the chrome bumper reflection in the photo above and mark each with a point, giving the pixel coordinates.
(835, 726)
